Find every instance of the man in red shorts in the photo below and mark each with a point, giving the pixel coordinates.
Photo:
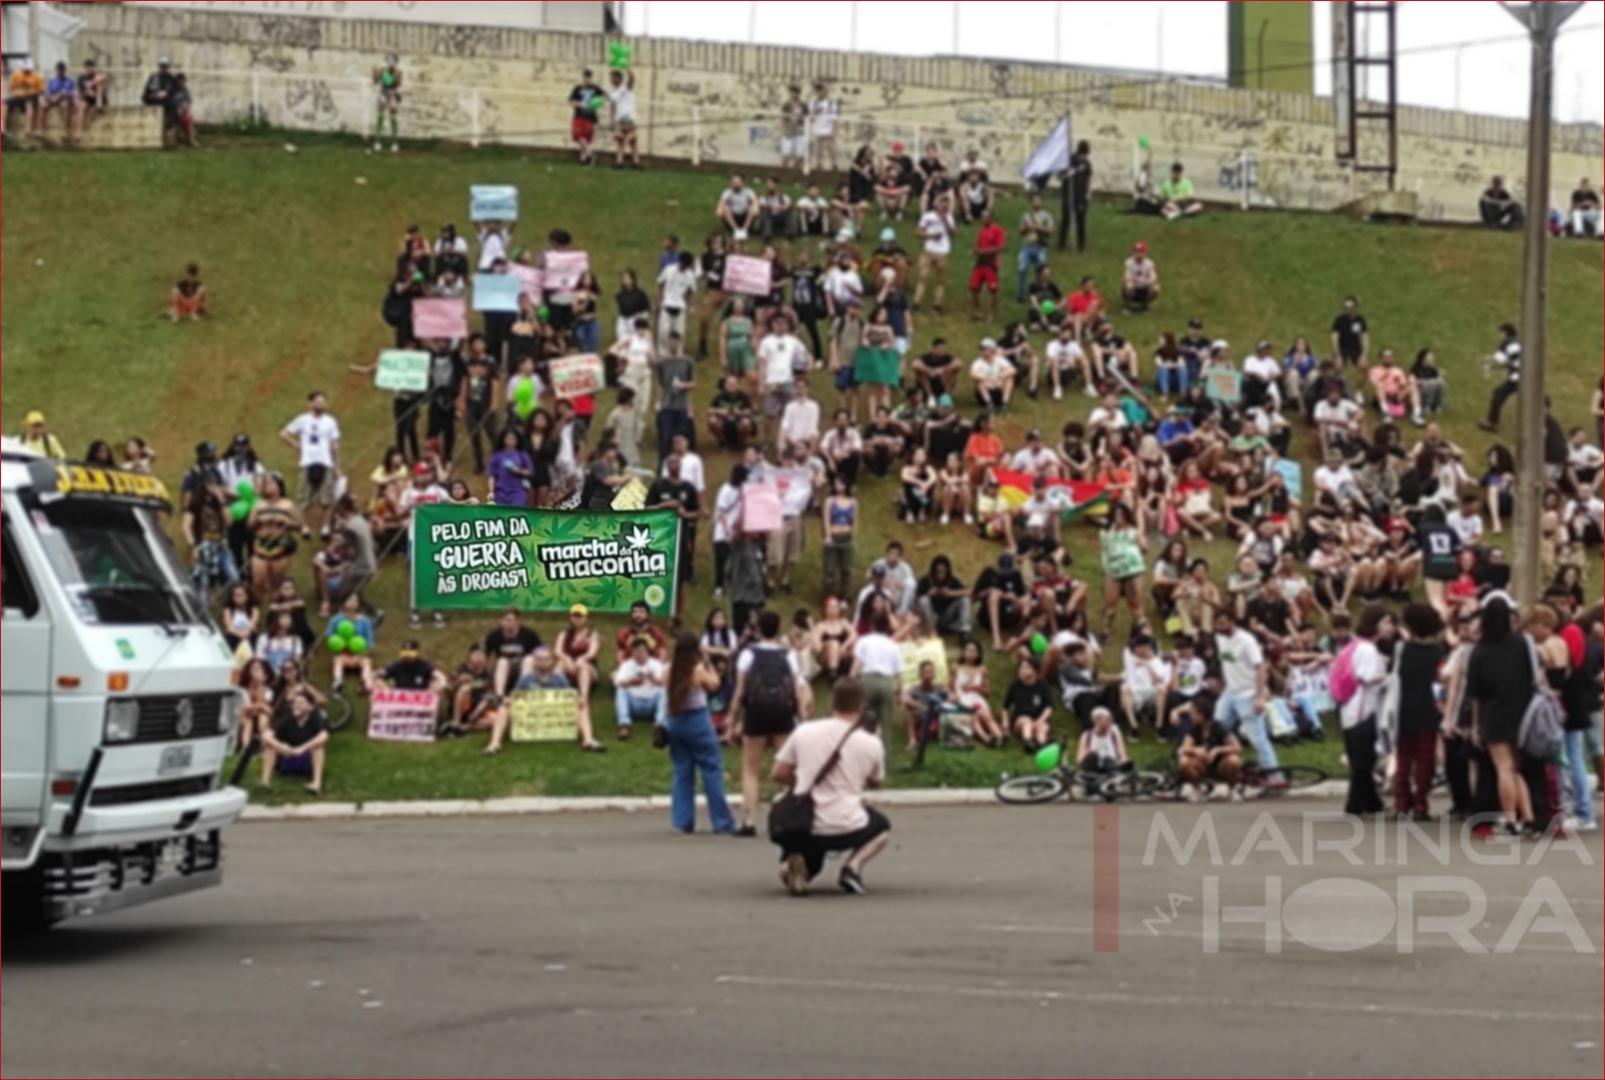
(989, 244)
(586, 98)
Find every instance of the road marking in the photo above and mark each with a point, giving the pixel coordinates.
(1251, 939)
(1118, 997)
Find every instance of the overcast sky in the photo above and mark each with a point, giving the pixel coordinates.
(1466, 55)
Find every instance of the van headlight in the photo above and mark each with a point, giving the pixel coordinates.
(122, 720)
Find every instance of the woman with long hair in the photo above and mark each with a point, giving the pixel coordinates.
(1121, 553)
(576, 647)
(1359, 713)
(1500, 683)
(272, 524)
(693, 744)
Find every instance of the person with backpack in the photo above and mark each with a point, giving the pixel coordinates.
(826, 766)
(770, 692)
(1501, 684)
(1359, 676)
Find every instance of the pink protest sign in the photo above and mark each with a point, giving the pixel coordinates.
(563, 268)
(746, 274)
(439, 318)
(760, 508)
(576, 376)
(403, 715)
(529, 280)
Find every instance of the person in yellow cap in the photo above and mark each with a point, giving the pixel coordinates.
(577, 646)
(37, 438)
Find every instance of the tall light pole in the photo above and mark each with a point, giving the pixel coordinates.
(1542, 21)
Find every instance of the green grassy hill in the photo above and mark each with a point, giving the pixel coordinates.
(295, 249)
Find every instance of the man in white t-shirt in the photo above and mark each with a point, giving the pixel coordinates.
(316, 437)
(638, 687)
(1266, 370)
(799, 421)
(1144, 678)
(676, 283)
(841, 820)
(738, 208)
(936, 228)
(1337, 418)
(992, 376)
(1335, 477)
(1033, 457)
(1466, 521)
(1242, 704)
(780, 355)
(621, 103)
(1066, 358)
(844, 287)
(822, 115)
(1108, 414)
(878, 665)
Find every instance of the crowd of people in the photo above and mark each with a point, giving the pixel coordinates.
(825, 387)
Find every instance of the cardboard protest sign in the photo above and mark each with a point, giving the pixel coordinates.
(631, 496)
(437, 317)
(490, 558)
(529, 280)
(576, 376)
(493, 202)
(543, 716)
(1292, 478)
(746, 274)
(402, 370)
(402, 715)
(1225, 385)
(563, 269)
(497, 292)
(760, 508)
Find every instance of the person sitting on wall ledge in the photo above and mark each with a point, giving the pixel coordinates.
(1497, 208)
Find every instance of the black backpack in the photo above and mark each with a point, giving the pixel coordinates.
(770, 693)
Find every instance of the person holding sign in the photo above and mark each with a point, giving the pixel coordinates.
(295, 743)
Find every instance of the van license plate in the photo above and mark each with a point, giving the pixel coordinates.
(176, 759)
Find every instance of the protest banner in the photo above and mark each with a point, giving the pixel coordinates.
(490, 558)
(1225, 385)
(529, 280)
(746, 274)
(576, 376)
(493, 202)
(916, 653)
(631, 496)
(563, 269)
(437, 317)
(402, 370)
(402, 715)
(543, 716)
(497, 292)
(760, 508)
(1292, 479)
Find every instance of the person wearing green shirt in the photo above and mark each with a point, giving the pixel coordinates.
(1177, 193)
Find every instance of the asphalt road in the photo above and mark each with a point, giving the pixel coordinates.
(601, 944)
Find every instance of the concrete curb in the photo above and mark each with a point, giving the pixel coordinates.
(423, 808)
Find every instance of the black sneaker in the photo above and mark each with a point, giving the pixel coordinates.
(851, 882)
(746, 831)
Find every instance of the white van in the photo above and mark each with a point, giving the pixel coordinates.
(118, 709)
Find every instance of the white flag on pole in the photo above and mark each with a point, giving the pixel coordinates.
(1052, 155)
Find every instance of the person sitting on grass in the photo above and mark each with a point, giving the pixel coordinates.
(188, 298)
(577, 647)
(924, 701)
(1102, 749)
(1139, 287)
(474, 704)
(344, 662)
(1208, 749)
(294, 744)
(1177, 195)
(1028, 707)
(639, 687)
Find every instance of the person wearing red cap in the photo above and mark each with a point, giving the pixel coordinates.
(1140, 286)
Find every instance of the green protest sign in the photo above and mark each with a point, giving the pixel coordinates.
(405, 370)
(491, 557)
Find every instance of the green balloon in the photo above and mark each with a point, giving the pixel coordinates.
(357, 645)
(524, 390)
(523, 409)
(543, 313)
(239, 510)
(345, 628)
(339, 643)
(1039, 644)
(246, 490)
(1048, 757)
(1142, 141)
(618, 54)
(1047, 307)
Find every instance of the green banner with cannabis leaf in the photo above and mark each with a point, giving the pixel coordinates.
(490, 557)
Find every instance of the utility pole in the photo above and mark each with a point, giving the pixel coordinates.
(1542, 21)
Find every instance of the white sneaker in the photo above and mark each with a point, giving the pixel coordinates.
(1058, 393)
(969, 519)
(1089, 391)
(945, 519)
(1576, 825)
(395, 148)
(378, 146)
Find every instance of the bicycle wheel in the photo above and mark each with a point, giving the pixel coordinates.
(1029, 790)
(338, 711)
(1133, 785)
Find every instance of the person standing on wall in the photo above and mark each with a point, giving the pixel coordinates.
(585, 98)
(621, 100)
(387, 81)
(822, 115)
(794, 130)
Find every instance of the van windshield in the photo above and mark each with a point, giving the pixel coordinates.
(114, 563)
